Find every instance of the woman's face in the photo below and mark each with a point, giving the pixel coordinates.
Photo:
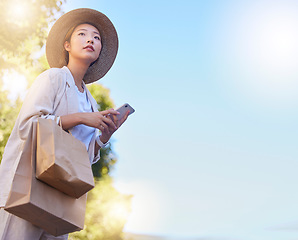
(85, 44)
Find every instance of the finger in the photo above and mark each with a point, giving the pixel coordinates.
(124, 118)
(109, 131)
(114, 119)
(112, 127)
(101, 128)
(103, 124)
(110, 111)
(111, 116)
(109, 122)
(106, 131)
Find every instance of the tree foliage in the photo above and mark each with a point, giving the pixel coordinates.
(106, 213)
(24, 27)
(8, 113)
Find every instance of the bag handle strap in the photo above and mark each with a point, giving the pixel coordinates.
(56, 121)
(60, 124)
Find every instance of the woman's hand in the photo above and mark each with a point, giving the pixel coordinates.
(99, 119)
(106, 121)
(108, 132)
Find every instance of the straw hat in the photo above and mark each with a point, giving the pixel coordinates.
(55, 42)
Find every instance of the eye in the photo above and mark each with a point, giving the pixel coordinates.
(81, 34)
(97, 38)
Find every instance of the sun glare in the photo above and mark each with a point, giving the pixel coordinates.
(15, 84)
(18, 12)
(119, 212)
(266, 51)
(146, 207)
(274, 40)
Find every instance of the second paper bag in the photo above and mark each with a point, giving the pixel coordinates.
(39, 203)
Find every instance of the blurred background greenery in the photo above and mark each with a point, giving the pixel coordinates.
(24, 27)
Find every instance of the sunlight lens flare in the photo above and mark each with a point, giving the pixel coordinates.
(264, 47)
(119, 212)
(15, 83)
(146, 206)
(18, 12)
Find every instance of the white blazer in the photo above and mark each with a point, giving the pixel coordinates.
(52, 94)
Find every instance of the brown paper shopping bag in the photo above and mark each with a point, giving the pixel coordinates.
(41, 204)
(62, 160)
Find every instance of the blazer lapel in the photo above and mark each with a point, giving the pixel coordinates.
(71, 95)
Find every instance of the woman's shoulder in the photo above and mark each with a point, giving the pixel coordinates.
(53, 74)
(53, 78)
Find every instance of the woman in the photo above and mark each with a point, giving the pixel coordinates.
(81, 47)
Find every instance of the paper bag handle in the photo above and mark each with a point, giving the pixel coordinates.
(60, 124)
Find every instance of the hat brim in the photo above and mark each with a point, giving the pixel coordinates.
(109, 39)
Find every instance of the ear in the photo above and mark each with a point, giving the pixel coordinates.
(67, 46)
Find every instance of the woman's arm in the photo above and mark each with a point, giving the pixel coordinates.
(93, 119)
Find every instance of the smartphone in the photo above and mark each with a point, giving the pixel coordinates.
(123, 109)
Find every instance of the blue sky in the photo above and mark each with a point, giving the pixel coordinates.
(211, 150)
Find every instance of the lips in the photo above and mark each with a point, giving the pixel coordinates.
(89, 47)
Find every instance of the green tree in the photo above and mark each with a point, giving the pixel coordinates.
(24, 25)
(106, 213)
(8, 113)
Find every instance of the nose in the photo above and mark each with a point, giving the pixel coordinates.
(90, 41)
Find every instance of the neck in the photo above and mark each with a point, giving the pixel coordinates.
(78, 70)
